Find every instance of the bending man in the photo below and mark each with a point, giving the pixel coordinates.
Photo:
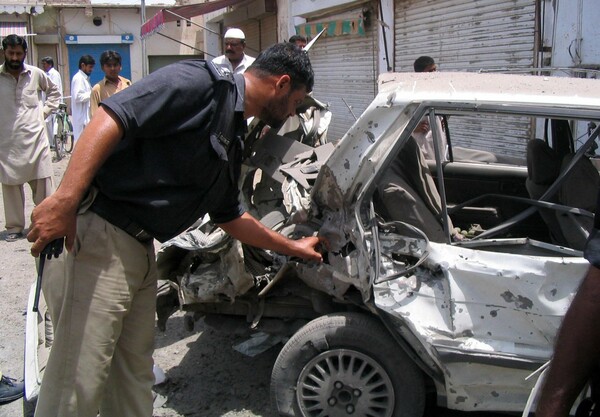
(155, 158)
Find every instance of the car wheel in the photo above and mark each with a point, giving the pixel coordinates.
(346, 364)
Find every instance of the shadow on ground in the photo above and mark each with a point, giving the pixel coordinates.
(207, 377)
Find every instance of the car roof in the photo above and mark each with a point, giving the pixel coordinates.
(469, 86)
(348, 167)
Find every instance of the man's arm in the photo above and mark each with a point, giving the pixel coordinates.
(94, 99)
(577, 351)
(52, 92)
(248, 230)
(55, 77)
(55, 216)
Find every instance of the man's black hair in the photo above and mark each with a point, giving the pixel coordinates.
(14, 40)
(107, 56)
(48, 60)
(423, 62)
(285, 58)
(297, 38)
(87, 60)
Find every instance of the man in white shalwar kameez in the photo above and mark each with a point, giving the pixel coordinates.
(24, 151)
(81, 90)
(234, 59)
(53, 74)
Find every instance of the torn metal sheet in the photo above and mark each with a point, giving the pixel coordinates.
(221, 280)
(273, 150)
(504, 308)
(305, 166)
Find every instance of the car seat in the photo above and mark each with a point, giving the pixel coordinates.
(407, 192)
(578, 189)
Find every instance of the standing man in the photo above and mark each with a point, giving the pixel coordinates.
(425, 64)
(24, 152)
(52, 73)
(155, 158)
(234, 59)
(110, 63)
(423, 134)
(81, 91)
(577, 348)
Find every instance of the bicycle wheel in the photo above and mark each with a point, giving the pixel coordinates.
(68, 135)
(59, 145)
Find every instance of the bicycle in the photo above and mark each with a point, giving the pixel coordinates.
(63, 132)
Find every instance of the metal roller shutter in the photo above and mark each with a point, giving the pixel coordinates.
(268, 31)
(259, 34)
(251, 29)
(345, 69)
(469, 35)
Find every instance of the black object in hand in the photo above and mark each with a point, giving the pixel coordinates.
(52, 249)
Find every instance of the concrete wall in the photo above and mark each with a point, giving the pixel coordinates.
(576, 34)
(56, 22)
(189, 35)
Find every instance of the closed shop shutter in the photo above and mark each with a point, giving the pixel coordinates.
(251, 29)
(345, 69)
(468, 35)
(268, 31)
(260, 34)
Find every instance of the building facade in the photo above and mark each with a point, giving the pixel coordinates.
(361, 38)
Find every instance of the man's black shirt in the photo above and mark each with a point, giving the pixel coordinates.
(180, 156)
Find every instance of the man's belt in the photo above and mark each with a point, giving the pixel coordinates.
(106, 209)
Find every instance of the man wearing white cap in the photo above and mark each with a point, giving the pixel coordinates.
(235, 59)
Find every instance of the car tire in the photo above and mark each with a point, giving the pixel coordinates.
(346, 364)
(273, 220)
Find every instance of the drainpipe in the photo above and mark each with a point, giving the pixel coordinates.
(60, 62)
(31, 59)
(578, 59)
(385, 46)
(143, 40)
(538, 35)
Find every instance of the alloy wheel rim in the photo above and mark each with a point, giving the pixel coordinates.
(344, 382)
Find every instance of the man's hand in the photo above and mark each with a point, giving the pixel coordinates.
(56, 216)
(248, 230)
(308, 248)
(50, 220)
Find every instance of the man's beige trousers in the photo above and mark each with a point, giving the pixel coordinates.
(14, 201)
(101, 298)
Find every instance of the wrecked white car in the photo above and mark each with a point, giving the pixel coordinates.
(446, 272)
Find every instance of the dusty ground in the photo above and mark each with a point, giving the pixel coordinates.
(206, 377)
